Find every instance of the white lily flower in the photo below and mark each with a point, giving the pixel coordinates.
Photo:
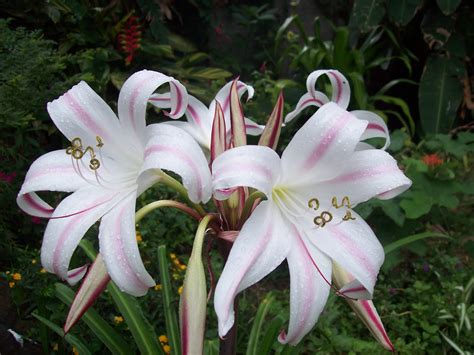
(308, 218)
(109, 163)
(200, 118)
(341, 95)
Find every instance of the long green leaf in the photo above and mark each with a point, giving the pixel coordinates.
(168, 303)
(366, 14)
(448, 6)
(71, 339)
(412, 238)
(270, 335)
(402, 11)
(440, 93)
(111, 339)
(255, 332)
(142, 331)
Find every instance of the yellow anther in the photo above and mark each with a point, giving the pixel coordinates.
(344, 202)
(313, 203)
(77, 151)
(322, 219)
(348, 216)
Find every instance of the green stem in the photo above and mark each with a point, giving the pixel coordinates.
(176, 185)
(142, 212)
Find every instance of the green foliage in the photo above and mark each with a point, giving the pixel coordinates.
(356, 59)
(448, 36)
(367, 14)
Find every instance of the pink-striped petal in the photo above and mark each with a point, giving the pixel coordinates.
(354, 246)
(173, 149)
(218, 136)
(81, 113)
(364, 309)
(367, 312)
(261, 246)
(119, 248)
(370, 173)
(308, 289)
(376, 127)
(52, 171)
(134, 96)
(251, 166)
(34, 205)
(341, 91)
(307, 100)
(63, 234)
(76, 275)
(223, 97)
(272, 130)
(93, 285)
(237, 121)
(252, 128)
(328, 138)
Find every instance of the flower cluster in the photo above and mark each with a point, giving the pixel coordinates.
(297, 207)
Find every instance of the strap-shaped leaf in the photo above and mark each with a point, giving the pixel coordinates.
(257, 327)
(168, 302)
(71, 339)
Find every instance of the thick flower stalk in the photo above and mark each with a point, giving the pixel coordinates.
(308, 218)
(109, 162)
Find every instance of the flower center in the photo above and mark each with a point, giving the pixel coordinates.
(321, 212)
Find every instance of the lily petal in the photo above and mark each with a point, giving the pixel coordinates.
(62, 235)
(223, 97)
(376, 127)
(371, 173)
(76, 275)
(237, 120)
(134, 96)
(327, 138)
(272, 130)
(53, 171)
(364, 309)
(93, 285)
(218, 136)
(173, 149)
(306, 101)
(80, 112)
(260, 247)
(341, 91)
(251, 166)
(308, 290)
(119, 248)
(354, 246)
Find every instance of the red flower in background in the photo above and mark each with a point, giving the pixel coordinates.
(130, 38)
(6, 177)
(432, 160)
